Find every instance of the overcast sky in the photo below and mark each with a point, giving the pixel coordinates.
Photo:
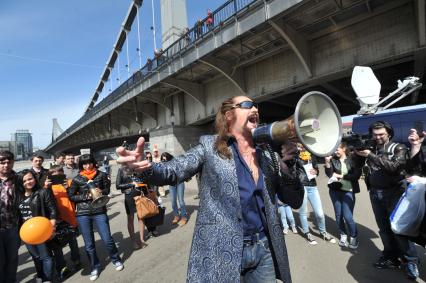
(52, 54)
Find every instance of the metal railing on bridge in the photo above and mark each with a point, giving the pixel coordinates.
(216, 20)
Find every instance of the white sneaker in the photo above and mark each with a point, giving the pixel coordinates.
(285, 231)
(327, 237)
(353, 243)
(294, 229)
(94, 275)
(118, 265)
(343, 242)
(311, 239)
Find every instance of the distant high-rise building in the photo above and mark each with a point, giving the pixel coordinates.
(173, 20)
(23, 144)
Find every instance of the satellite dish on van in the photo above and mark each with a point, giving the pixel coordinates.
(366, 85)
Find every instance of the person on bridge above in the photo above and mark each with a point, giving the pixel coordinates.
(238, 233)
(87, 215)
(37, 167)
(342, 169)
(198, 29)
(209, 21)
(9, 218)
(70, 167)
(384, 169)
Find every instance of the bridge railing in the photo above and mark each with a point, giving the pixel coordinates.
(216, 20)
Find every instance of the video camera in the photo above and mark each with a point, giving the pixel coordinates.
(359, 142)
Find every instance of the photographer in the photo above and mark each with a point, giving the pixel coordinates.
(383, 172)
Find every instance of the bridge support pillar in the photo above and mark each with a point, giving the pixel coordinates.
(176, 140)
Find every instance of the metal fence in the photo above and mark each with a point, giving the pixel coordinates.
(212, 22)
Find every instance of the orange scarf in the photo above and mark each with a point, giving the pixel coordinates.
(89, 174)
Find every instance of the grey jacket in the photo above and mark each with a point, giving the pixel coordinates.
(217, 242)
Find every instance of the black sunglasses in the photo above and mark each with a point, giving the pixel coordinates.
(246, 105)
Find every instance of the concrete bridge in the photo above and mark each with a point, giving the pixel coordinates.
(273, 51)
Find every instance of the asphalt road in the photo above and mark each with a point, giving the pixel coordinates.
(165, 259)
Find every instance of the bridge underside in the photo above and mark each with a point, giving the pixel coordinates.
(273, 56)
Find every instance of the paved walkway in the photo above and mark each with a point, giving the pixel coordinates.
(166, 257)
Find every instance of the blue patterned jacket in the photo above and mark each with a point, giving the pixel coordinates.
(217, 242)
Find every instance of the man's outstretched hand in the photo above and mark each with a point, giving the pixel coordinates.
(133, 159)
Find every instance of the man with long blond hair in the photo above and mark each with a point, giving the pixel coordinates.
(238, 233)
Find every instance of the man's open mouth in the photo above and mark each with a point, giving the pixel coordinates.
(253, 118)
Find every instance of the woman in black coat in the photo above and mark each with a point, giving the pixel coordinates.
(343, 184)
(37, 201)
(89, 215)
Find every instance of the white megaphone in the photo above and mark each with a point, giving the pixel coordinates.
(316, 123)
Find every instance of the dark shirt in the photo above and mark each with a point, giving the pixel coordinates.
(25, 209)
(7, 216)
(251, 199)
(41, 175)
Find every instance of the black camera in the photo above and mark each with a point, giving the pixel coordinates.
(359, 142)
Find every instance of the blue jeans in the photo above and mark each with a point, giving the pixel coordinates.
(256, 263)
(9, 246)
(85, 225)
(394, 246)
(42, 260)
(343, 203)
(176, 193)
(312, 194)
(286, 213)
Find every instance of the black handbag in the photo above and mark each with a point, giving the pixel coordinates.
(156, 220)
(63, 235)
(335, 186)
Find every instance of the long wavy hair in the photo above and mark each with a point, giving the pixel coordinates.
(222, 129)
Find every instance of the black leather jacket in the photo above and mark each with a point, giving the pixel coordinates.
(123, 182)
(303, 177)
(42, 203)
(386, 167)
(78, 193)
(353, 175)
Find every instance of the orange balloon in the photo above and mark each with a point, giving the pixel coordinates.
(36, 230)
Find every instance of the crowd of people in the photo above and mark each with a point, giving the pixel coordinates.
(246, 191)
(240, 200)
(63, 195)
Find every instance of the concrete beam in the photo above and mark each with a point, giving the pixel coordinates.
(236, 76)
(192, 89)
(280, 103)
(334, 90)
(298, 44)
(421, 21)
(158, 98)
(419, 70)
